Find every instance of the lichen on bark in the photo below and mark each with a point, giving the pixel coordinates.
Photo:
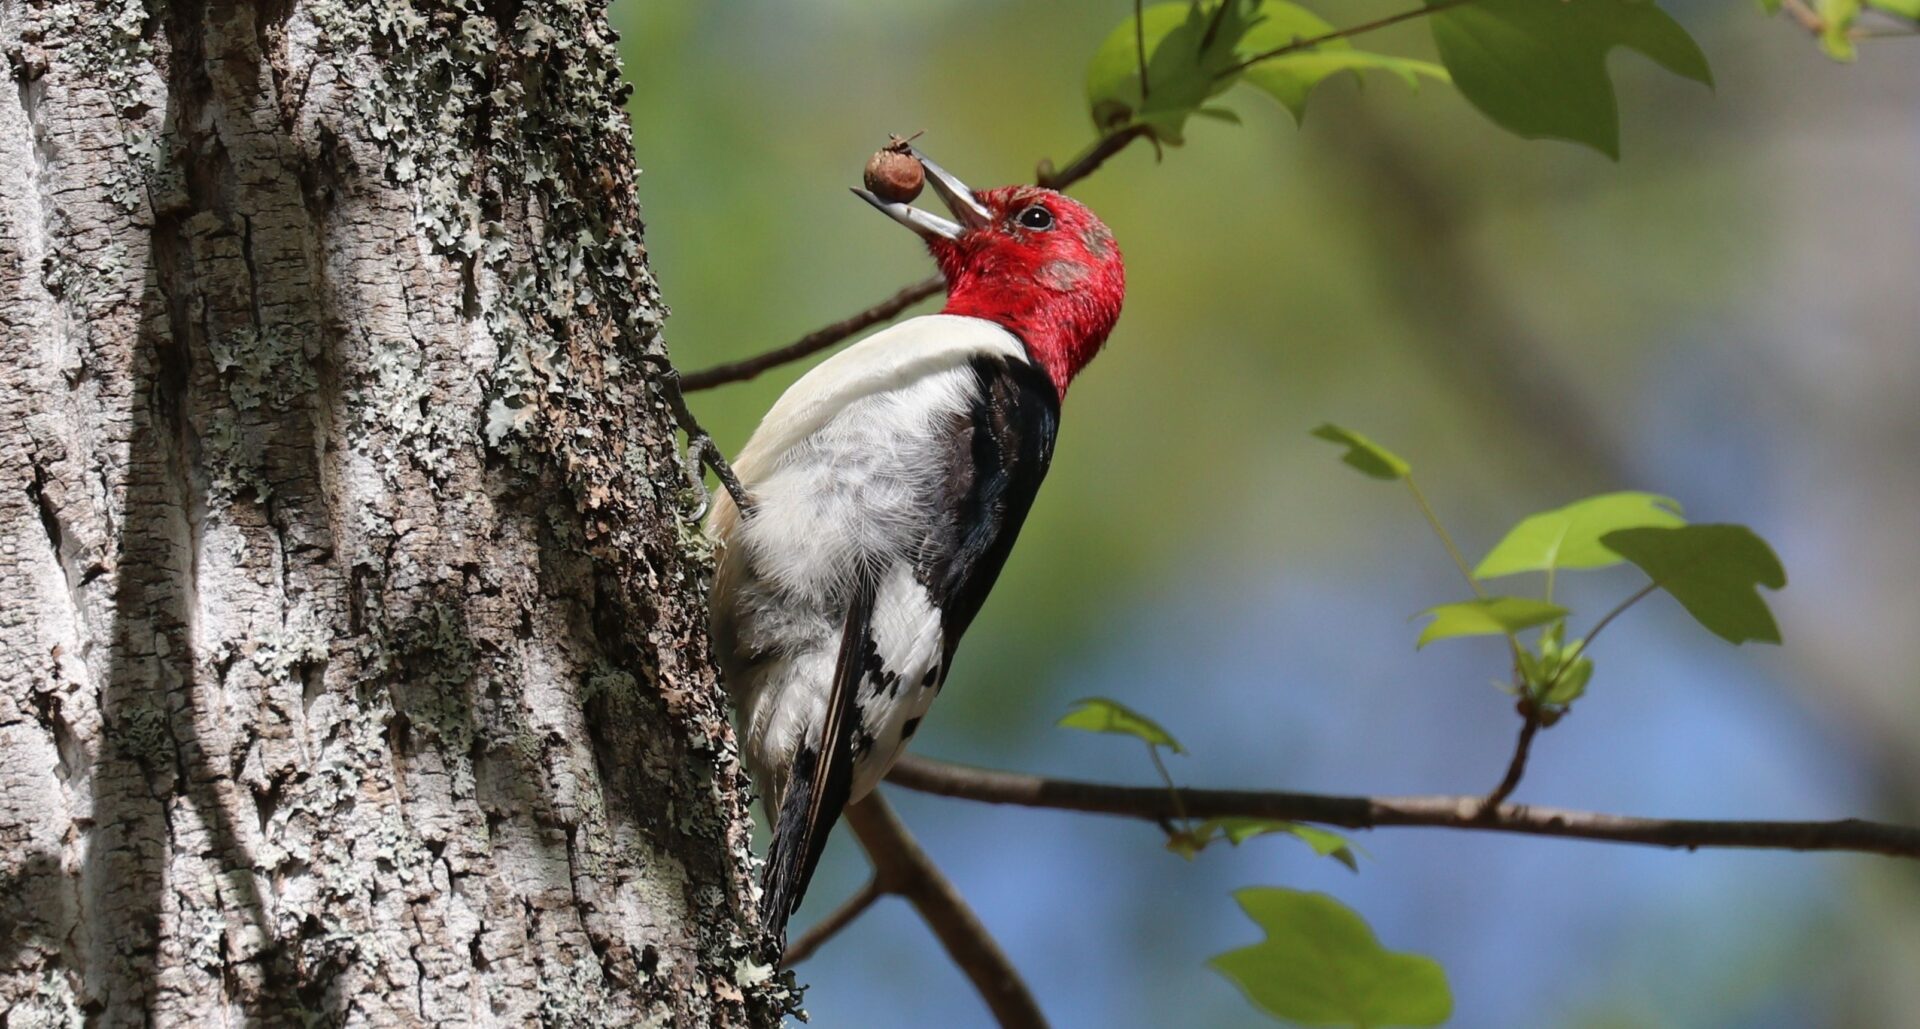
(355, 665)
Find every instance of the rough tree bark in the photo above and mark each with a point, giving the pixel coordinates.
(352, 665)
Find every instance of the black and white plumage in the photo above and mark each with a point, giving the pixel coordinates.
(888, 486)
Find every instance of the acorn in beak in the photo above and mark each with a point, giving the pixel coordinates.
(969, 211)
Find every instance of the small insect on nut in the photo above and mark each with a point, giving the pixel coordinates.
(893, 173)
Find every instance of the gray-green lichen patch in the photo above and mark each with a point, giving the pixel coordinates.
(234, 459)
(610, 682)
(301, 643)
(144, 729)
(262, 365)
(111, 44)
(52, 1005)
(574, 995)
(430, 661)
(399, 396)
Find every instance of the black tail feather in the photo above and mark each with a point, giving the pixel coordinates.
(783, 881)
(820, 780)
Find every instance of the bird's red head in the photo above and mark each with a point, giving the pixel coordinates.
(1027, 258)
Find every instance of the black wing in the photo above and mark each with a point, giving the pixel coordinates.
(821, 778)
(1002, 448)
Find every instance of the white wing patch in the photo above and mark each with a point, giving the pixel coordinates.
(901, 678)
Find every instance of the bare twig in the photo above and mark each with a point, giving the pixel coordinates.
(830, 926)
(1089, 160)
(813, 342)
(1153, 803)
(1517, 765)
(1353, 30)
(1534, 707)
(1800, 12)
(900, 864)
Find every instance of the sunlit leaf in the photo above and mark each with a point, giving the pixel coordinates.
(1366, 456)
(1836, 27)
(1291, 78)
(1189, 51)
(1558, 674)
(1565, 687)
(1539, 67)
(1098, 714)
(1194, 52)
(1321, 965)
(1487, 616)
(1220, 114)
(1569, 537)
(1712, 570)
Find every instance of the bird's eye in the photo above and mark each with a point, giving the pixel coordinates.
(1036, 217)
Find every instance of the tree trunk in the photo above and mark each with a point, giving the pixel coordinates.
(351, 606)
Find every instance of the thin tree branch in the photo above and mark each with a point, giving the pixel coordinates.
(1089, 160)
(1517, 766)
(1451, 812)
(1805, 15)
(830, 926)
(1534, 707)
(813, 342)
(899, 863)
(1353, 30)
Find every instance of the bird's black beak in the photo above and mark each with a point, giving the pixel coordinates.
(972, 214)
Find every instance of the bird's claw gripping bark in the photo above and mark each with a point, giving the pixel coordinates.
(701, 449)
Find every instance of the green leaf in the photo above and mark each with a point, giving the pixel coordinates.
(1539, 67)
(1548, 675)
(1192, 51)
(1098, 714)
(1238, 830)
(1569, 537)
(1363, 454)
(1569, 685)
(1290, 78)
(1321, 965)
(1836, 27)
(1487, 616)
(1712, 570)
(1189, 49)
(1909, 9)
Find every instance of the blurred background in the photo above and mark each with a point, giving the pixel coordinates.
(1728, 315)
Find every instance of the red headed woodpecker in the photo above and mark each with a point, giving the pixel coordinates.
(886, 488)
